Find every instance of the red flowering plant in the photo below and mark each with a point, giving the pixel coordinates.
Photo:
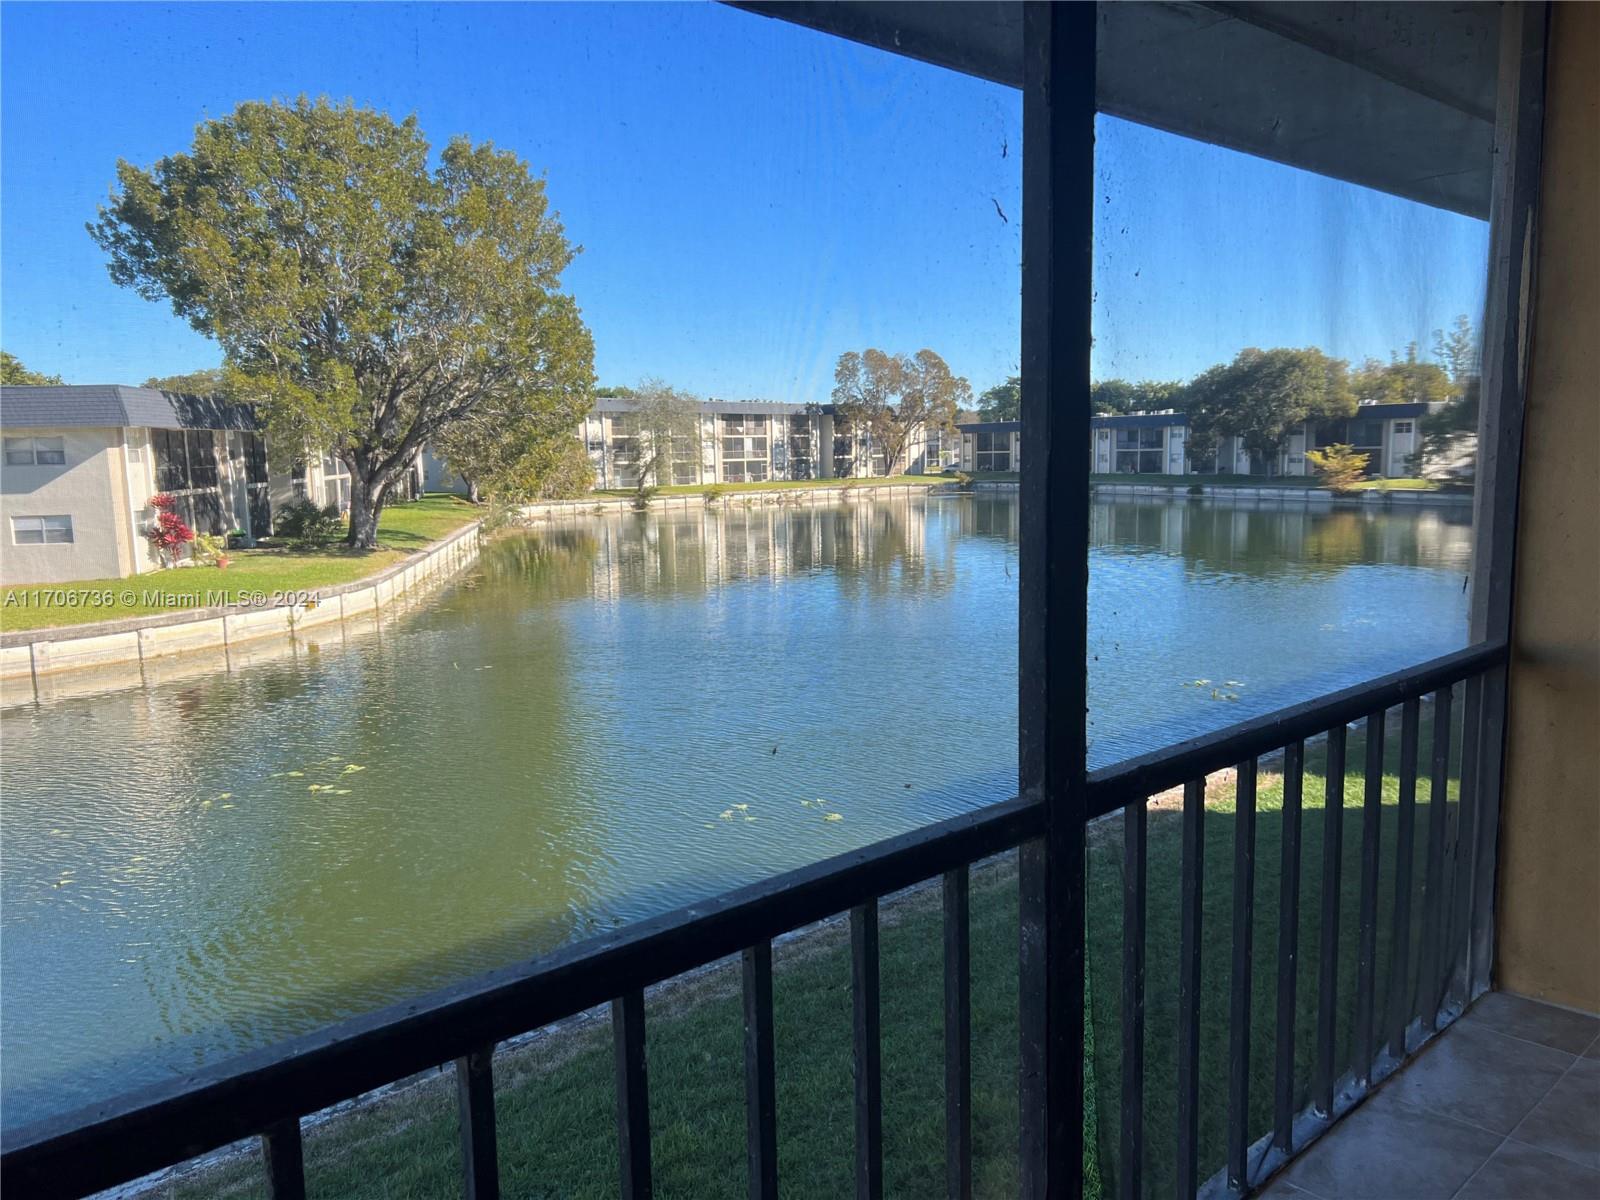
(170, 533)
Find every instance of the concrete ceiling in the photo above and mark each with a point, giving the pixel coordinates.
(1394, 96)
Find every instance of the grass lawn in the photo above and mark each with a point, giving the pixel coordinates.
(779, 485)
(403, 529)
(555, 1100)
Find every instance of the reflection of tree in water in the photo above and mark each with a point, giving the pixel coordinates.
(996, 516)
(881, 545)
(554, 564)
(1270, 543)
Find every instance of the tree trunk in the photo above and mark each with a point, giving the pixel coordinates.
(366, 503)
(472, 490)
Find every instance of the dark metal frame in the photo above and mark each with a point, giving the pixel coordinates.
(267, 1093)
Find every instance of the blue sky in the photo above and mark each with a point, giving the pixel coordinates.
(753, 198)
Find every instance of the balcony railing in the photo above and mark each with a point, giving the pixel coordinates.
(266, 1094)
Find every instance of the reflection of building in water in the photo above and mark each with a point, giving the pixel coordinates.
(684, 552)
(1156, 444)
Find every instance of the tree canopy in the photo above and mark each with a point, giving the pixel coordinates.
(208, 381)
(1406, 380)
(888, 396)
(662, 426)
(1127, 396)
(365, 301)
(1002, 402)
(13, 372)
(1451, 428)
(1262, 396)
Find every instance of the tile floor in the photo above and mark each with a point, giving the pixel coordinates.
(1505, 1105)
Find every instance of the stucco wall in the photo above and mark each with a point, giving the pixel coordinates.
(1549, 881)
(86, 489)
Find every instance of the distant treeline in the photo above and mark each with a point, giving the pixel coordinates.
(1262, 395)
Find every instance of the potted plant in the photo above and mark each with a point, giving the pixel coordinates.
(213, 549)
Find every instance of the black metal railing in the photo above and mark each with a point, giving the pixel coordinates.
(1392, 1017)
(268, 1093)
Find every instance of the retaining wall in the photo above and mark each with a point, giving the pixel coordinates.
(37, 664)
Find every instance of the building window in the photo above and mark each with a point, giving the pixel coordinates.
(41, 531)
(172, 460)
(202, 447)
(993, 451)
(36, 451)
(800, 464)
(1402, 426)
(1140, 451)
(1362, 434)
(685, 460)
(335, 483)
(744, 448)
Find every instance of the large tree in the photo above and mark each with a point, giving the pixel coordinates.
(1002, 402)
(1264, 395)
(661, 427)
(365, 300)
(13, 372)
(888, 396)
(1406, 380)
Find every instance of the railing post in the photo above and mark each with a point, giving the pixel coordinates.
(1134, 895)
(480, 1169)
(760, 1074)
(958, 1034)
(1057, 280)
(633, 1095)
(284, 1157)
(1288, 944)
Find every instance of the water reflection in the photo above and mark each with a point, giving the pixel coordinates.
(607, 717)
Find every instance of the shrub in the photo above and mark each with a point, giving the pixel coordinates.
(209, 548)
(304, 525)
(1339, 467)
(170, 533)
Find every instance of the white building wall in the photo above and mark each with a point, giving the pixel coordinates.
(1403, 439)
(89, 487)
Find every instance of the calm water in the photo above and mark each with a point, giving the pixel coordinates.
(604, 720)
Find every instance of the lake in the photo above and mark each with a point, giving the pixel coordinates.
(608, 717)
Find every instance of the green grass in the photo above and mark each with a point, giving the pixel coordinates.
(555, 1099)
(779, 485)
(403, 529)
